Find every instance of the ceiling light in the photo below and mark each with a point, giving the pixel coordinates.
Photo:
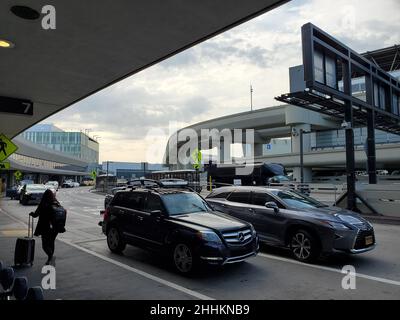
(6, 44)
(25, 12)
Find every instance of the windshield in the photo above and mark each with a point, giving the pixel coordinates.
(297, 200)
(26, 182)
(183, 203)
(35, 187)
(282, 178)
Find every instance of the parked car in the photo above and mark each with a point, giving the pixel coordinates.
(52, 188)
(52, 183)
(87, 182)
(12, 192)
(287, 218)
(67, 184)
(179, 224)
(32, 193)
(22, 183)
(70, 184)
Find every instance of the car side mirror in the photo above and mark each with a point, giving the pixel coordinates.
(272, 205)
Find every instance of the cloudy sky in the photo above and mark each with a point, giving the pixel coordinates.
(213, 78)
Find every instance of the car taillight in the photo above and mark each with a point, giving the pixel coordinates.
(106, 214)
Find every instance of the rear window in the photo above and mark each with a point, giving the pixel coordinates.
(153, 203)
(129, 200)
(240, 197)
(35, 187)
(135, 201)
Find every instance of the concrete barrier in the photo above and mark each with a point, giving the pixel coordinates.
(384, 198)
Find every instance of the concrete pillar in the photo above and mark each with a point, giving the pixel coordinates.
(258, 150)
(307, 174)
(224, 152)
(296, 138)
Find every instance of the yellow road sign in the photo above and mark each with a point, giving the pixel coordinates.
(4, 165)
(197, 156)
(7, 147)
(18, 175)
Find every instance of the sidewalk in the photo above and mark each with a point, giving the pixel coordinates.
(80, 275)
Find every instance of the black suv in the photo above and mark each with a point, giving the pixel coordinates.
(178, 223)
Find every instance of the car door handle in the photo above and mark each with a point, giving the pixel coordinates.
(250, 209)
(121, 211)
(140, 218)
(223, 205)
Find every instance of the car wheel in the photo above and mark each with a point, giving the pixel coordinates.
(114, 240)
(304, 246)
(183, 258)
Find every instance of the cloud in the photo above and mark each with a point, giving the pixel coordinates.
(213, 78)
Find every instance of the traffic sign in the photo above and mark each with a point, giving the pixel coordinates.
(18, 175)
(4, 165)
(93, 174)
(197, 156)
(16, 106)
(7, 147)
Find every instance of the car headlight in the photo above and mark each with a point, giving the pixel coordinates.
(350, 219)
(209, 236)
(253, 231)
(338, 225)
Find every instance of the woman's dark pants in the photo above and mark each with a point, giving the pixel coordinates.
(48, 242)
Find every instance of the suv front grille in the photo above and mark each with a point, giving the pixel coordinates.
(238, 237)
(360, 239)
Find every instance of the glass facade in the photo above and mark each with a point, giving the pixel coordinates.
(74, 144)
(336, 138)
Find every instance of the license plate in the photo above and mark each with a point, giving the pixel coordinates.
(369, 240)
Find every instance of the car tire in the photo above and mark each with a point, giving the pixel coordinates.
(114, 240)
(304, 246)
(183, 258)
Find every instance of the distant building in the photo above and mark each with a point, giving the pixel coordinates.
(74, 144)
(46, 152)
(130, 170)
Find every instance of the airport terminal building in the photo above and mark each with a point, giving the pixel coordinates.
(45, 153)
(277, 137)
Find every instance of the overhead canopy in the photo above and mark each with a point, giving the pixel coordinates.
(97, 43)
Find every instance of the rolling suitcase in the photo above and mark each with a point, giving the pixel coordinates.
(25, 248)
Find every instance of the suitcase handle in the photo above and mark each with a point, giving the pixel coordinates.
(30, 226)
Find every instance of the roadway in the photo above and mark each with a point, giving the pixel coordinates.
(86, 269)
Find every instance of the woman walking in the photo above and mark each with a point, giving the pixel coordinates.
(45, 212)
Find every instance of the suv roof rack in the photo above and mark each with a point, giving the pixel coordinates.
(154, 184)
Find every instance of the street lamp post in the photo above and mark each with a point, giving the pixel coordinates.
(107, 177)
(301, 157)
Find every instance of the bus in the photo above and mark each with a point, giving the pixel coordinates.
(105, 182)
(262, 174)
(189, 175)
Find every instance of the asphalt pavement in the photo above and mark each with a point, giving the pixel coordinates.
(86, 269)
